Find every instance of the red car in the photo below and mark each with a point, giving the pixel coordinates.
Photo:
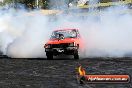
(65, 41)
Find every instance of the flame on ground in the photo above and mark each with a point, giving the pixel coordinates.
(81, 71)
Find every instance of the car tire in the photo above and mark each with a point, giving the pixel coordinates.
(49, 55)
(76, 55)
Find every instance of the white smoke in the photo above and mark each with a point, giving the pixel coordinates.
(106, 34)
(23, 35)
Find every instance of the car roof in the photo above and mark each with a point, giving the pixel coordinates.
(66, 29)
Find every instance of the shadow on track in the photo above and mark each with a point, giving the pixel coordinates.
(70, 58)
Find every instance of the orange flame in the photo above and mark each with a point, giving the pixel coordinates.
(81, 71)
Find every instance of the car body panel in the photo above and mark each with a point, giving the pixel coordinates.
(61, 46)
(66, 40)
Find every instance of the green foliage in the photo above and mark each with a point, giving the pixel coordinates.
(105, 1)
(44, 4)
(6, 2)
(28, 3)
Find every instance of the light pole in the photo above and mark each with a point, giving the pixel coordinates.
(37, 3)
(14, 3)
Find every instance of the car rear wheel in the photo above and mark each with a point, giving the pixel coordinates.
(76, 55)
(49, 55)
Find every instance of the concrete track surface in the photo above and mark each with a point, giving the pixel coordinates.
(41, 73)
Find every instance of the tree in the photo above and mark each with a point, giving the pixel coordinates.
(44, 4)
(28, 3)
(32, 3)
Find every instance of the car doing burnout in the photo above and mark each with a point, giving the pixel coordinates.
(65, 41)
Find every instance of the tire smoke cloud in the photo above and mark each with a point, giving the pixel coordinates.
(107, 34)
